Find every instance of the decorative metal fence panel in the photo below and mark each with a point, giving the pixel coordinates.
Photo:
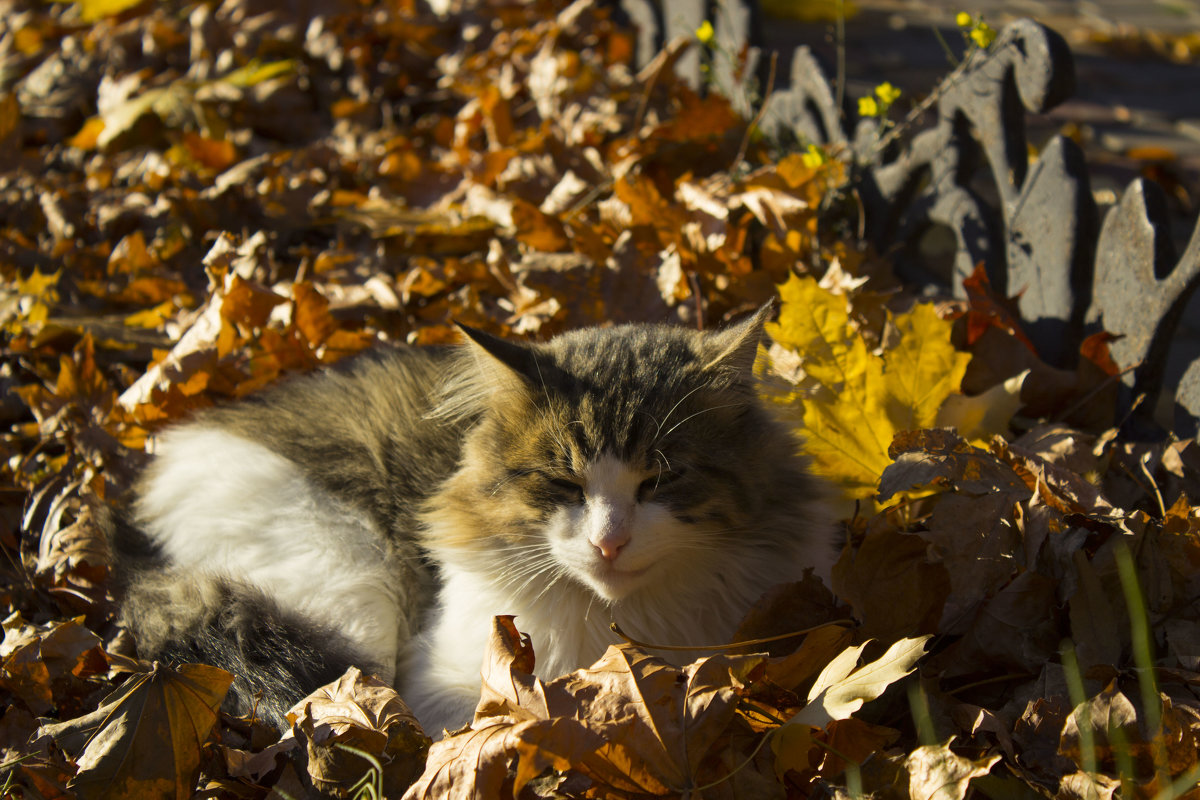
(1032, 223)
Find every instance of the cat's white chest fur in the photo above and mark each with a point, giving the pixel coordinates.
(220, 504)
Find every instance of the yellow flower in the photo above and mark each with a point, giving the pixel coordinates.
(964, 20)
(813, 157)
(886, 93)
(983, 35)
(867, 107)
(705, 32)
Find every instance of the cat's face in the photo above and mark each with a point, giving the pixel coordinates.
(618, 527)
(618, 458)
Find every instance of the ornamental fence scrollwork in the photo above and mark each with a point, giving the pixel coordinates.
(1032, 223)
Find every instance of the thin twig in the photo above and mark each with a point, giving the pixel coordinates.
(1162, 507)
(694, 282)
(739, 767)
(732, 645)
(1104, 384)
(762, 110)
(841, 57)
(953, 59)
(920, 108)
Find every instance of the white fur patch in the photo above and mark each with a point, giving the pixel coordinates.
(221, 504)
(647, 533)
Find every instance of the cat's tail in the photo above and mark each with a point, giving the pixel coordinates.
(277, 657)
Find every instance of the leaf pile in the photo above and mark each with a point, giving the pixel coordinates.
(199, 198)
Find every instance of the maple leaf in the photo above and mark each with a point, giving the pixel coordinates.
(863, 399)
(146, 736)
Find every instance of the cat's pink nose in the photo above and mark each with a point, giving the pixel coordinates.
(609, 544)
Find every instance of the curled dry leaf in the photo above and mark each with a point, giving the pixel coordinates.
(357, 712)
(629, 723)
(36, 656)
(935, 772)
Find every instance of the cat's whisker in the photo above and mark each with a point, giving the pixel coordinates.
(661, 459)
(698, 413)
(503, 482)
(555, 572)
(559, 574)
(667, 418)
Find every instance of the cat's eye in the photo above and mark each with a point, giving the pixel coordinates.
(568, 488)
(648, 487)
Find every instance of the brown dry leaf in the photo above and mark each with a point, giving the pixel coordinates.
(843, 687)
(247, 303)
(630, 722)
(856, 740)
(36, 656)
(509, 687)
(1108, 711)
(789, 607)
(818, 649)
(976, 539)
(78, 550)
(1084, 786)
(361, 712)
(937, 773)
(891, 584)
(474, 765)
(312, 316)
(538, 230)
(148, 734)
(1015, 631)
(941, 457)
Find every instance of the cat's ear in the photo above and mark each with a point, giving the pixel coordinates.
(504, 359)
(735, 348)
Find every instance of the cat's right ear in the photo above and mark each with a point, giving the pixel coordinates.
(504, 360)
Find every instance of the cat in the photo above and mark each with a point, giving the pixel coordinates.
(382, 512)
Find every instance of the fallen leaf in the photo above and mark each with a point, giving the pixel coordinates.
(147, 741)
(843, 687)
(358, 713)
(865, 398)
(937, 773)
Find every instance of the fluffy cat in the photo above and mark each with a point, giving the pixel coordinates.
(380, 513)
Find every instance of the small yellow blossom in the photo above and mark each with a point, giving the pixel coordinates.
(867, 107)
(886, 93)
(983, 35)
(705, 32)
(964, 20)
(813, 157)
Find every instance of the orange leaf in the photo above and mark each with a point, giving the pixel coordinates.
(218, 154)
(248, 304)
(312, 314)
(539, 231)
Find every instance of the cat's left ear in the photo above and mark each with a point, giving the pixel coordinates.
(494, 352)
(735, 348)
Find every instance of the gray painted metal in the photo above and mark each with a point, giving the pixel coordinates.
(1032, 224)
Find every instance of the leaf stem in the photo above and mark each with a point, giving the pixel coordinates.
(732, 645)
(738, 768)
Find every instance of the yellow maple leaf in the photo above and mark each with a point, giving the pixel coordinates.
(863, 399)
(94, 10)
